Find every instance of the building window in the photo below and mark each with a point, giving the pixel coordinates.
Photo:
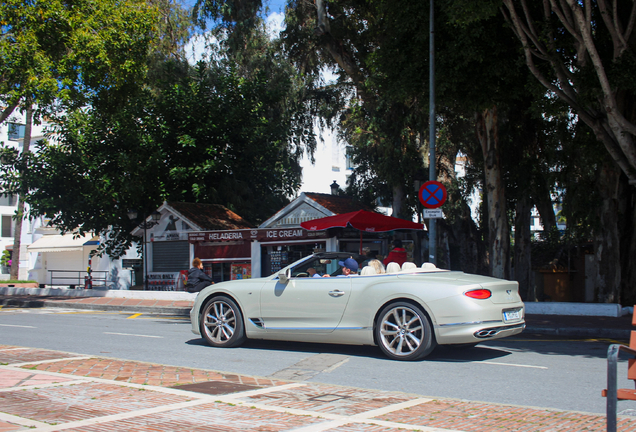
(8, 200)
(16, 131)
(7, 230)
(349, 156)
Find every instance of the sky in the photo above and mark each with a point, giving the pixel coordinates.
(274, 20)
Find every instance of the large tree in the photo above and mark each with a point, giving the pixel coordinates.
(59, 54)
(583, 52)
(212, 133)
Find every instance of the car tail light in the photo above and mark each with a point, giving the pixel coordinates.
(479, 294)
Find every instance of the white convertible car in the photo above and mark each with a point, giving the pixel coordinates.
(406, 314)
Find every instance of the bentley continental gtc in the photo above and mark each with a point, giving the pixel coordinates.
(407, 314)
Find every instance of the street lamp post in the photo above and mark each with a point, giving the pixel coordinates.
(145, 225)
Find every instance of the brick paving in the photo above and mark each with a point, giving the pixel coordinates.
(473, 416)
(331, 399)
(144, 373)
(44, 390)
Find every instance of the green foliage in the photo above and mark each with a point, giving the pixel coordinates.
(214, 133)
(5, 258)
(71, 53)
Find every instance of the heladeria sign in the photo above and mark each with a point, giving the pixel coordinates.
(255, 234)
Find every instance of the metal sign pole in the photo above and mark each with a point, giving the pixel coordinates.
(432, 233)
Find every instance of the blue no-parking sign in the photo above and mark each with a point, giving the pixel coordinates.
(432, 194)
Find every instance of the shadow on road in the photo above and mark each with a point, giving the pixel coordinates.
(440, 354)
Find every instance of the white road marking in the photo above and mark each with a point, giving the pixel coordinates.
(512, 364)
(138, 335)
(337, 365)
(13, 325)
(49, 361)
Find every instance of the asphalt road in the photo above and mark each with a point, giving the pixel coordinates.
(526, 370)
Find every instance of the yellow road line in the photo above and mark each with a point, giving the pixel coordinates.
(134, 316)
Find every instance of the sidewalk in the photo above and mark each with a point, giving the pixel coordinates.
(43, 390)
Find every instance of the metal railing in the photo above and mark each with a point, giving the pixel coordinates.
(76, 278)
(612, 386)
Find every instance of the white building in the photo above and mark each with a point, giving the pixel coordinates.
(332, 164)
(47, 256)
(12, 135)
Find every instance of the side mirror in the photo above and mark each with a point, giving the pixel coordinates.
(283, 277)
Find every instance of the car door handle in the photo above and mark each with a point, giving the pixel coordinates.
(336, 293)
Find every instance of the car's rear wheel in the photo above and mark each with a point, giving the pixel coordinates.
(222, 323)
(403, 332)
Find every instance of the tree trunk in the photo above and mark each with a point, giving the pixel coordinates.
(607, 238)
(499, 232)
(398, 200)
(543, 201)
(628, 253)
(523, 257)
(19, 213)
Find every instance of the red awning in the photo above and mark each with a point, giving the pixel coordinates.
(361, 220)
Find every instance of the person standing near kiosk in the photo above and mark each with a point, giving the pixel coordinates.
(197, 278)
(397, 254)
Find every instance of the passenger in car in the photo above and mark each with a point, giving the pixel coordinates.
(349, 268)
(378, 266)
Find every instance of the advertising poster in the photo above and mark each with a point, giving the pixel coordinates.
(241, 271)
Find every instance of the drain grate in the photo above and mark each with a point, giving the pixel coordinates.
(328, 398)
(217, 387)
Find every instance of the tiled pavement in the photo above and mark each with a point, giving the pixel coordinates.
(44, 390)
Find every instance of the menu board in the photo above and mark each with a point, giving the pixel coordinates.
(278, 260)
(165, 281)
(241, 271)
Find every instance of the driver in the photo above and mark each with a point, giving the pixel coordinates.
(313, 273)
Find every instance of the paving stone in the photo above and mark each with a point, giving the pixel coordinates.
(479, 417)
(90, 402)
(11, 378)
(76, 402)
(330, 399)
(213, 417)
(11, 354)
(144, 373)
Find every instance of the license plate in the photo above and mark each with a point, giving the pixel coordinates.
(512, 315)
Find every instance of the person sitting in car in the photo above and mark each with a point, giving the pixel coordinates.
(349, 268)
(313, 273)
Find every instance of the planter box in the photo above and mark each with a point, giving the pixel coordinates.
(21, 285)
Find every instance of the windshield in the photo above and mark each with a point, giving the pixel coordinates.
(320, 265)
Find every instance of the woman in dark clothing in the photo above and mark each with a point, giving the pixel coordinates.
(197, 279)
(398, 254)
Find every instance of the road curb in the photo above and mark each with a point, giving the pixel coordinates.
(167, 310)
(580, 332)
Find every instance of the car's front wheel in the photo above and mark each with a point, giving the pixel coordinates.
(403, 332)
(222, 323)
